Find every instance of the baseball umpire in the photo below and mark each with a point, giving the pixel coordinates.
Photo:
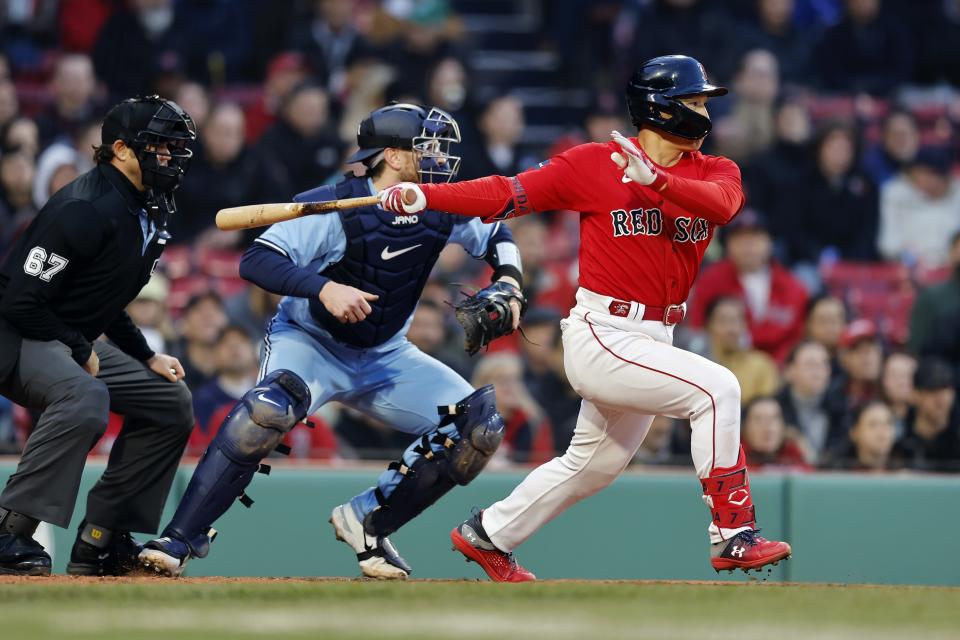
(351, 282)
(87, 254)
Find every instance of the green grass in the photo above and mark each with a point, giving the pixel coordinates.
(348, 610)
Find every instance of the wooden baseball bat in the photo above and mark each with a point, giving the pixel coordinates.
(251, 216)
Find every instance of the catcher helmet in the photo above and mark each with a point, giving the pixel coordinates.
(411, 127)
(150, 122)
(654, 90)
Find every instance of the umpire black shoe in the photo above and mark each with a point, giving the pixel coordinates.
(100, 552)
(22, 556)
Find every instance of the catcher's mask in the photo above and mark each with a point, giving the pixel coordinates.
(654, 92)
(158, 131)
(429, 134)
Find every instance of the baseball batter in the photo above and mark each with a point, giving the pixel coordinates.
(648, 209)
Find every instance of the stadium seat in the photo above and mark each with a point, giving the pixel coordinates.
(843, 277)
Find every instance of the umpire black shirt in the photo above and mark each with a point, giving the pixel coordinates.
(77, 266)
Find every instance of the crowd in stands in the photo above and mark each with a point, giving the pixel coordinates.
(834, 296)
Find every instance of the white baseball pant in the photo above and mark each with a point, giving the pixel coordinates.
(627, 371)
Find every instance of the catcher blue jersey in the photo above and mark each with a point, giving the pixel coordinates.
(375, 251)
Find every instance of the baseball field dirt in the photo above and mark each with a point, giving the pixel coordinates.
(221, 608)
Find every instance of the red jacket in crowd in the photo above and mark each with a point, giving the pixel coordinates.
(782, 326)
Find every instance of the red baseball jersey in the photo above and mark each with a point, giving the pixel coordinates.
(641, 243)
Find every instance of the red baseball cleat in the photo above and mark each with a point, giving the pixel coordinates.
(747, 550)
(471, 540)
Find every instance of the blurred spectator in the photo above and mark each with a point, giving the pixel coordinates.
(58, 165)
(213, 40)
(301, 149)
(72, 91)
(899, 143)
(694, 27)
(655, 448)
(286, 71)
(252, 309)
(81, 20)
(528, 437)
(861, 360)
(149, 312)
(225, 173)
(871, 439)
(545, 284)
(545, 375)
(199, 327)
(774, 299)
(135, 46)
(195, 100)
(868, 51)
(919, 210)
(9, 103)
(826, 319)
(807, 402)
(16, 198)
(330, 42)
(748, 129)
(236, 370)
(497, 152)
(935, 317)
(835, 214)
(896, 387)
(932, 437)
(729, 345)
(775, 31)
(449, 89)
(428, 332)
(418, 32)
(767, 442)
(937, 39)
(604, 116)
(22, 135)
(772, 178)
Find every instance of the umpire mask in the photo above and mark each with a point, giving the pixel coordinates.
(158, 131)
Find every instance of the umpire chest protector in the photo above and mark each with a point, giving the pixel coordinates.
(386, 254)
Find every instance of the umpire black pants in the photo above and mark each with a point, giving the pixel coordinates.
(132, 491)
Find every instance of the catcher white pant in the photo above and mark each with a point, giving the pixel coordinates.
(627, 371)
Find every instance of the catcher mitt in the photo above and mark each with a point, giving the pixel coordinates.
(486, 315)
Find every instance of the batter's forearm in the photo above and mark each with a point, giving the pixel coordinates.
(493, 197)
(716, 201)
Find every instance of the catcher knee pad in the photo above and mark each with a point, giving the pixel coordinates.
(481, 431)
(727, 492)
(253, 429)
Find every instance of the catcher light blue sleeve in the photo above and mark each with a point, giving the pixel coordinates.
(308, 240)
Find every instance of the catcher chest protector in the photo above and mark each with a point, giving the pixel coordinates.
(386, 254)
(654, 90)
(249, 433)
(468, 435)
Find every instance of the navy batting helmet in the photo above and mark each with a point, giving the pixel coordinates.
(654, 90)
(414, 128)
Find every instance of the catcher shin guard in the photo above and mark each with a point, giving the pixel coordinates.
(467, 437)
(727, 492)
(481, 431)
(249, 433)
